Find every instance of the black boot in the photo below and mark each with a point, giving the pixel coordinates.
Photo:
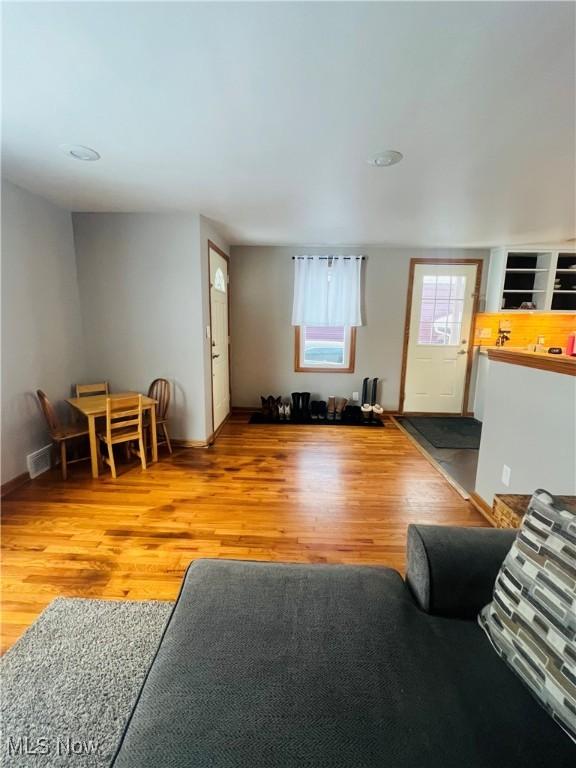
(274, 405)
(364, 399)
(374, 392)
(296, 405)
(305, 405)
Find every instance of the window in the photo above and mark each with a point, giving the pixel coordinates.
(325, 348)
(219, 281)
(441, 309)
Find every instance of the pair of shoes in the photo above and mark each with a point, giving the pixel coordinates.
(341, 403)
(270, 407)
(365, 393)
(301, 404)
(335, 407)
(375, 408)
(369, 412)
(284, 411)
(318, 410)
(352, 414)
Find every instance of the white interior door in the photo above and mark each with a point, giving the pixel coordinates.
(219, 334)
(439, 337)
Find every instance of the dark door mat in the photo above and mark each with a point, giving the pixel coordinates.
(447, 432)
(259, 418)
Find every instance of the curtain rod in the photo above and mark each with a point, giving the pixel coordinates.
(324, 258)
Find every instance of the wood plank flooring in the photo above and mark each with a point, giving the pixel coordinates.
(285, 493)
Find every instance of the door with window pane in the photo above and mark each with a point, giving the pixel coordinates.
(439, 337)
(219, 335)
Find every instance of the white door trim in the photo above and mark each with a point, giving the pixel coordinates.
(448, 262)
(212, 246)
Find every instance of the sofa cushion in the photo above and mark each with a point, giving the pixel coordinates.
(531, 620)
(325, 666)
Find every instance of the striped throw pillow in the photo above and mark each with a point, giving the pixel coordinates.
(531, 621)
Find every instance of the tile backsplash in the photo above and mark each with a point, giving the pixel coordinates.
(525, 328)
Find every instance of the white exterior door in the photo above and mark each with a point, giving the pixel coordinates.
(439, 337)
(219, 334)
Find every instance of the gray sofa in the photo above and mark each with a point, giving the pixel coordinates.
(319, 666)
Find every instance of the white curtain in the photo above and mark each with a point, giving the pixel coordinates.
(327, 291)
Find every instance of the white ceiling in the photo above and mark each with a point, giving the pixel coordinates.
(261, 116)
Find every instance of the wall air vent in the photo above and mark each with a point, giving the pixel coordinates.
(40, 461)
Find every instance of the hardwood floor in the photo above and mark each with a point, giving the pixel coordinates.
(290, 493)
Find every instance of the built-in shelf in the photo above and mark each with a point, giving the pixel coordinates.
(535, 279)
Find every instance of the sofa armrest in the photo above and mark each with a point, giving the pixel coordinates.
(451, 571)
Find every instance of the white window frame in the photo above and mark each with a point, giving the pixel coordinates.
(322, 367)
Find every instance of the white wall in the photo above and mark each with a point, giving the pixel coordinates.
(42, 346)
(480, 376)
(530, 425)
(263, 339)
(142, 287)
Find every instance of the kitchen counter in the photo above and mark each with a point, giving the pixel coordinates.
(544, 361)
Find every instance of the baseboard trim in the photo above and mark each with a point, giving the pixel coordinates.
(190, 443)
(12, 485)
(216, 432)
(482, 507)
(431, 460)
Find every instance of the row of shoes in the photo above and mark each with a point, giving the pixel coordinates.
(321, 410)
(301, 408)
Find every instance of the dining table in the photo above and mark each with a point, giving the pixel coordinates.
(94, 407)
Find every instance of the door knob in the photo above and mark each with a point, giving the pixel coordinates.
(215, 356)
(462, 352)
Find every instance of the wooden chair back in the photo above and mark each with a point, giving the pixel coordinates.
(49, 413)
(123, 418)
(159, 390)
(86, 390)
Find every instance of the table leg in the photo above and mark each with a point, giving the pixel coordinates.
(154, 435)
(93, 446)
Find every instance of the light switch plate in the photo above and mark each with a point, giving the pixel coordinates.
(506, 472)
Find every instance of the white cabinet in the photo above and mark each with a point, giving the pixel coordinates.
(534, 279)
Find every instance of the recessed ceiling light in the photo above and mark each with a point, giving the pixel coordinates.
(79, 152)
(384, 159)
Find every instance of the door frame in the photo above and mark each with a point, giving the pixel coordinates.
(220, 252)
(470, 357)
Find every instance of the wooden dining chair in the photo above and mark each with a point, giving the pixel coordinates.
(159, 390)
(123, 425)
(87, 390)
(61, 435)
